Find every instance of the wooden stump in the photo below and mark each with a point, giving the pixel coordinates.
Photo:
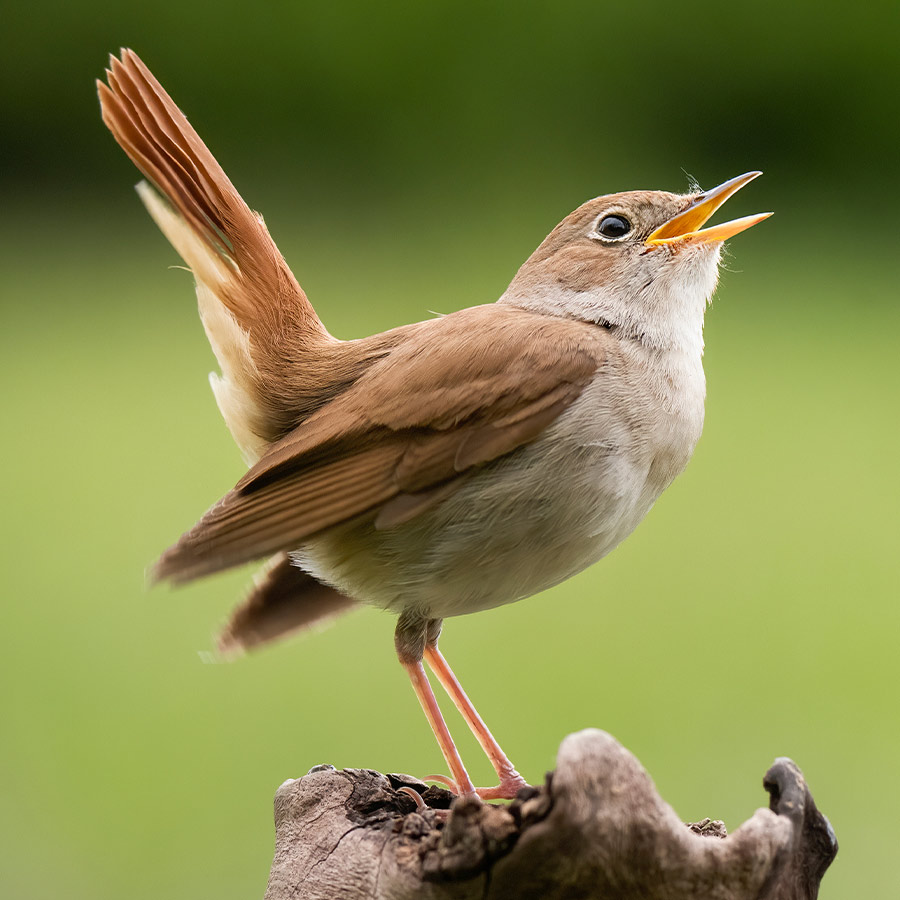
(596, 830)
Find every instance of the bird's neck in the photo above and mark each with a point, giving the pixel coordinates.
(664, 322)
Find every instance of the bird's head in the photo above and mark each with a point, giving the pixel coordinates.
(639, 262)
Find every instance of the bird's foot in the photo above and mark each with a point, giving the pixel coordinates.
(509, 786)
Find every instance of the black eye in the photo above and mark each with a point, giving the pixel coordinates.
(613, 227)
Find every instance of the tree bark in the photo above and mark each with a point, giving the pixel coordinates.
(596, 830)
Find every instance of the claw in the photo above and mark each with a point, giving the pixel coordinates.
(448, 783)
(508, 788)
(421, 805)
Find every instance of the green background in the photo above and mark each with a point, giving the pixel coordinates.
(408, 158)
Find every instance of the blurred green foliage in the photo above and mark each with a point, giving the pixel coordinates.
(407, 159)
(387, 96)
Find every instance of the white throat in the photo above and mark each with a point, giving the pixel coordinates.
(661, 304)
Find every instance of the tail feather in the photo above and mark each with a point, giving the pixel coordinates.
(161, 142)
(256, 315)
(284, 601)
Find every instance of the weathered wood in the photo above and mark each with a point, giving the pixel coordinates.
(597, 830)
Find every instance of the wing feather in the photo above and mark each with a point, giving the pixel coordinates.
(489, 380)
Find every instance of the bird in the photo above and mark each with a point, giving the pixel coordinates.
(443, 467)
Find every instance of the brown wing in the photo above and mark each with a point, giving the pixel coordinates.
(458, 392)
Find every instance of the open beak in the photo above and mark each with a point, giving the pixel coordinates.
(686, 226)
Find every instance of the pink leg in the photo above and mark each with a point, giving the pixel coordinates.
(510, 780)
(420, 684)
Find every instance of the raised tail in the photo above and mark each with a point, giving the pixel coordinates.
(257, 317)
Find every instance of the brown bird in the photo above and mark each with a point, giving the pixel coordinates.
(444, 467)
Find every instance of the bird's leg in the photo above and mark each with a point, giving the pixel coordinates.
(409, 640)
(510, 780)
(420, 684)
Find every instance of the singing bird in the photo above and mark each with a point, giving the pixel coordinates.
(443, 467)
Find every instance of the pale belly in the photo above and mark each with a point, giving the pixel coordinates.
(517, 527)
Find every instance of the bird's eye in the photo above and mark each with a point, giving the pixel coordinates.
(613, 227)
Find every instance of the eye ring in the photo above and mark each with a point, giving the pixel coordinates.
(612, 227)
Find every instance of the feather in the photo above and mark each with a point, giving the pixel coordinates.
(514, 375)
(283, 600)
